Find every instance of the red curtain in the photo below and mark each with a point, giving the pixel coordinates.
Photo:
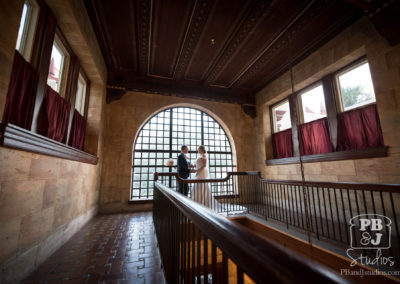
(283, 144)
(359, 129)
(57, 110)
(314, 137)
(78, 131)
(21, 93)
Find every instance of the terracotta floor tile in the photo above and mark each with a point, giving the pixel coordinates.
(118, 248)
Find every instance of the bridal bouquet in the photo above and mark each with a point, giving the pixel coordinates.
(169, 162)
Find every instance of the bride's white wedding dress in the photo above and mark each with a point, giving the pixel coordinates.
(201, 191)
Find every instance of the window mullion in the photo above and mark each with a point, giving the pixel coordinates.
(331, 109)
(294, 122)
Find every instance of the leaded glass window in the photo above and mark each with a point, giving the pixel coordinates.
(162, 137)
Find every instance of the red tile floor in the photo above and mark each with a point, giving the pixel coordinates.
(118, 248)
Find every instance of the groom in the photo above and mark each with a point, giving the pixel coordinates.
(184, 169)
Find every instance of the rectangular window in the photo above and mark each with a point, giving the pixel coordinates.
(313, 104)
(80, 98)
(355, 87)
(57, 66)
(281, 116)
(27, 28)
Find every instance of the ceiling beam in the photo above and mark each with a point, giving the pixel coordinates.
(131, 81)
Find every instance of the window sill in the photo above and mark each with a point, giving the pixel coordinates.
(334, 156)
(18, 138)
(140, 201)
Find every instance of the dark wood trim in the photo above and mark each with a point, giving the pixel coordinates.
(228, 175)
(333, 156)
(87, 95)
(330, 104)
(259, 257)
(295, 122)
(140, 201)
(64, 42)
(18, 138)
(133, 81)
(43, 69)
(70, 94)
(39, 34)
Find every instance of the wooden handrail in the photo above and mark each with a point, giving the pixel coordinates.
(180, 180)
(260, 258)
(342, 185)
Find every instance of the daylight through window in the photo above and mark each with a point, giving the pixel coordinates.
(161, 138)
(355, 87)
(281, 116)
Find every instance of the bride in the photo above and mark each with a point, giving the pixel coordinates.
(201, 191)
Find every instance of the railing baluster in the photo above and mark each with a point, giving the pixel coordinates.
(344, 216)
(330, 210)
(240, 276)
(214, 263)
(315, 212)
(326, 212)
(395, 219)
(198, 256)
(192, 269)
(337, 214)
(205, 258)
(225, 273)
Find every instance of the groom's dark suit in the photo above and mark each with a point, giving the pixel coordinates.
(183, 173)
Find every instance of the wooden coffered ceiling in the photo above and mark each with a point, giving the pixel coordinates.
(222, 50)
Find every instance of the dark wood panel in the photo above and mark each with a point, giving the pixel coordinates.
(319, 24)
(333, 156)
(224, 47)
(135, 82)
(169, 24)
(119, 31)
(223, 20)
(270, 20)
(18, 138)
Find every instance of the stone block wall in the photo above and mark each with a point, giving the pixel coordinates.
(384, 60)
(45, 200)
(124, 119)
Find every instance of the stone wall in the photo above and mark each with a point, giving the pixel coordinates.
(359, 39)
(123, 121)
(45, 200)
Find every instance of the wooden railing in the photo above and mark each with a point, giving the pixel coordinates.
(198, 245)
(321, 209)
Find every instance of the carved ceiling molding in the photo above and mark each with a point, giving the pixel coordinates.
(251, 20)
(287, 37)
(143, 21)
(198, 20)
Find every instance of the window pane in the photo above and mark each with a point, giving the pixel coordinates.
(313, 104)
(55, 69)
(281, 117)
(356, 87)
(80, 95)
(157, 140)
(22, 29)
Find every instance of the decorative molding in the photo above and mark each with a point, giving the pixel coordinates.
(387, 22)
(246, 26)
(18, 138)
(143, 22)
(286, 38)
(250, 110)
(114, 93)
(198, 20)
(290, 36)
(333, 156)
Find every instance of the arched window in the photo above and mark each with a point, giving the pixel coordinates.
(161, 138)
